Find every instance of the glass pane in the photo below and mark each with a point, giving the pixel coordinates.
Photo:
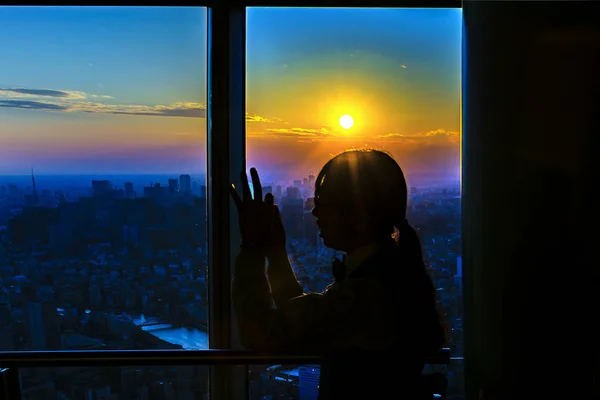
(290, 382)
(108, 383)
(284, 382)
(320, 81)
(102, 186)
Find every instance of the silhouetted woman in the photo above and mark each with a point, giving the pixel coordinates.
(377, 324)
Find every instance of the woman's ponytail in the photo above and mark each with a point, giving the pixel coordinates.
(409, 243)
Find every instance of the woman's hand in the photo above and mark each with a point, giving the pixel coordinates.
(260, 223)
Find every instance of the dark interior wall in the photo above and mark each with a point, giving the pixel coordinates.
(530, 142)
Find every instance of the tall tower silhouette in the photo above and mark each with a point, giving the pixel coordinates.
(35, 195)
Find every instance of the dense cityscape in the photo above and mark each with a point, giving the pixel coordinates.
(122, 264)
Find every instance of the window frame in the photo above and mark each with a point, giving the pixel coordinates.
(226, 87)
(226, 154)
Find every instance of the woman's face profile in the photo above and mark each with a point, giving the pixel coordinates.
(333, 226)
(355, 193)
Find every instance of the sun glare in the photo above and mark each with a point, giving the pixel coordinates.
(346, 121)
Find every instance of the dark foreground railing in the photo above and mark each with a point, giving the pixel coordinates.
(119, 358)
(11, 361)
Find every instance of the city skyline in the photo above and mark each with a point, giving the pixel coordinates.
(106, 91)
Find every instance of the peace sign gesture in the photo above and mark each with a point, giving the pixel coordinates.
(260, 223)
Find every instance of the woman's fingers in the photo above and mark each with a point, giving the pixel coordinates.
(236, 197)
(246, 195)
(269, 200)
(256, 185)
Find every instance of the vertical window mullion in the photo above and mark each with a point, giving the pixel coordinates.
(226, 158)
(475, 95)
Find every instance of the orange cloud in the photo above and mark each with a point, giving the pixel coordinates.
(258, 118)
(450, 136)
(299, 131)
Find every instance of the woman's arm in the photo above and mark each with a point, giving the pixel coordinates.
(283, 280)
(308, 322)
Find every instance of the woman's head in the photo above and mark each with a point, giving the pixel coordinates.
(360, 196)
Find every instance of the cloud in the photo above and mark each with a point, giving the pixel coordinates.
(31, 105)
(258, 118)
(188, 109)
(438, 133)
(297, 133)
(393, 136)
(73, 101)
(300, 131)
(62, 94)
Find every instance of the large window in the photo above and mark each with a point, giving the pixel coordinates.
(320, 81)
(102, 184)
(103, 189)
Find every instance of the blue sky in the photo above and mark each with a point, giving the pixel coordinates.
(141, 55)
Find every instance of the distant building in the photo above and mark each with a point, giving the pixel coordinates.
(293, 216)
(173, 185)
(13, 190)
(6, 334)
(311, 231)
(6, 339)
(185, 183)
(129, 192)
(5, 317)
(293, 192)
(60, 238)
(101, 188)
(309, 204)
(157, 193)
(309, 382)
(131, 235)
(43, 326)
(458, 274)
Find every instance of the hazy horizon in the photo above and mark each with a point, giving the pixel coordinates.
(84, 180)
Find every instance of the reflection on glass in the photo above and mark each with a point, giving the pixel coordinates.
(320, 81)
(102, 179)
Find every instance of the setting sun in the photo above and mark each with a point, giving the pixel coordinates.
(346, 121)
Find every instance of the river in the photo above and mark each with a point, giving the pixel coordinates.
(188, 338)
